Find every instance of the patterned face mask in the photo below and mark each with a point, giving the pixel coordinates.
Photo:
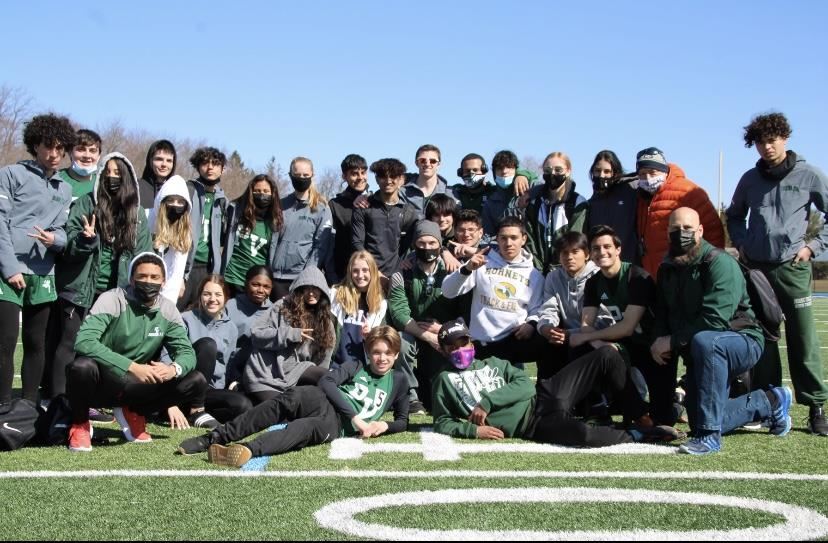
(463, 357)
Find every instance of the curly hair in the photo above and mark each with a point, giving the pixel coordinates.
(505, 159)
(206, 154)
(316, 317)
(770, 125)
(388, 168)
(48, 129)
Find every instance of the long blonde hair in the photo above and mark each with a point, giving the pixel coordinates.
(347, 294)
(315, 198)
(176, 235)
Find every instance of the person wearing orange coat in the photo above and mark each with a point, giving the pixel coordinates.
(663, 188)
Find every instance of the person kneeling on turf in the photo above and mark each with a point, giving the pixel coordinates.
(492, 399)
(117, 348)
(348, 401)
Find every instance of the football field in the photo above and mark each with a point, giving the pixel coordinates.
(419, 485)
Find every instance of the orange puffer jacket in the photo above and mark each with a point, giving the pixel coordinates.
(654, 217)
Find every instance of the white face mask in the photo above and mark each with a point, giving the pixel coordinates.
(84, 171)
(504, 182)
(652, 184)
(475, 180)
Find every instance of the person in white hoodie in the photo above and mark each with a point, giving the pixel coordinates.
(169, 223)
(563, 294)
(508, 294)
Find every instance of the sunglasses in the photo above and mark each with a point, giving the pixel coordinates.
(425, 161)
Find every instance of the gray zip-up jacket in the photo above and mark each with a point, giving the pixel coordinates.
(413, 194)
(280, 354)
(779, 213)
(305, 240)
(222, 330)
(29, 199)
(564, 300)
(217, 224)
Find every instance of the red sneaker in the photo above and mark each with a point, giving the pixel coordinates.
(133, 425)
(80, 437)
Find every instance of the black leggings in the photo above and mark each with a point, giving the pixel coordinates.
(65, 320)
(310, 377)
(311, 419)
(224, 405)
(35, 321)
(553, 421)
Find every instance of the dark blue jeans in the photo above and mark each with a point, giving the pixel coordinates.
(717, 358)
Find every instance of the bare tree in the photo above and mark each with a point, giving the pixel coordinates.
(15, 108)
(328, 183)
(531, 163)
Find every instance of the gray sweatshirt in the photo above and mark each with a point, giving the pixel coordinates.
(222, 330)
(29, 199)
(280, 354)
(306, 238)
(564, 297)
(779, 213)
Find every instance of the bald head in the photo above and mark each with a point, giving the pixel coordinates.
(684, 218)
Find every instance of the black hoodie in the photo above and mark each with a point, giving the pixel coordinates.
(342, 209)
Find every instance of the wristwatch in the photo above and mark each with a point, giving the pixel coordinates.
(178, 369)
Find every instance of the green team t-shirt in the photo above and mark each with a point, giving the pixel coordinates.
(105, 280)
(251, 249)
(79, 188)
(368, 394)
(203, 250)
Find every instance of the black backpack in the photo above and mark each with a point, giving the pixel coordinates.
(17, 424)
(763, 299)
(53, 425)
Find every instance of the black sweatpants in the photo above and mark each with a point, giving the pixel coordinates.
(309, 377)
(533, 349)
(311, 418)
(35, 321)
(661, 385)
(553, 421)
(224, 405)
(89, 384)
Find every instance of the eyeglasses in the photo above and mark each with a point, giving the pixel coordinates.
(557, 170)
(423, 161)
(429, 285)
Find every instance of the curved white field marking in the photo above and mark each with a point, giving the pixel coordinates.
(800, 522)
(435, 474)
(442, 448)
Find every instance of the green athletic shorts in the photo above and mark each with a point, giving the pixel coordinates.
(39, 289)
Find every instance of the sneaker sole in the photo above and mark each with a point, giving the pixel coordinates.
(234, 457)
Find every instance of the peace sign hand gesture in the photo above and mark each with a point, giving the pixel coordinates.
(88, 228)
(44, 237)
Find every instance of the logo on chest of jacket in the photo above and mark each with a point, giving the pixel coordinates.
(156, 332)
(790, 188)
(505, 291)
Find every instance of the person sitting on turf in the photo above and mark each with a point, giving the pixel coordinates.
(349, 401)
(703, 314)
(508, 294)
(491, 399)
(116, 347)
(294, 341)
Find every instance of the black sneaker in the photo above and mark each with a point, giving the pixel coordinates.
(416, 407)
(817, 422)
(203, 419)
(100, 416)
(195, 445)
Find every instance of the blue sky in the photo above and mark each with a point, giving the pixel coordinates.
(324, 79)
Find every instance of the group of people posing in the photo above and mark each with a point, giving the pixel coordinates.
(158, 296)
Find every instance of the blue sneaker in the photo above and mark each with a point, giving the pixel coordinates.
(780, 419)
(709, 444)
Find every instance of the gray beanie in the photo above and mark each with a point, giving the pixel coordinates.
(428, 228)
(651, 157)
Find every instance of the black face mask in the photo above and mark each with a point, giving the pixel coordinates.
(112, 184)
(682, 242)
(554, 180)
(427, 256)
(146, 292)
(175, 212)
(262, 201)
(600, 184)
(300, 184)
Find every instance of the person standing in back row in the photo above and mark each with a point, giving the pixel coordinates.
(779, 193)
